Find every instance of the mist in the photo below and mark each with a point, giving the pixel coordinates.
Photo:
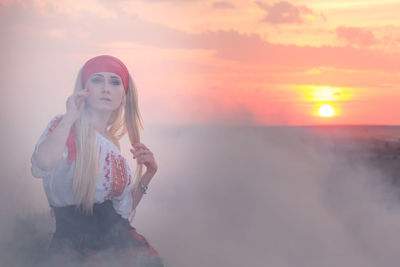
(235, 196)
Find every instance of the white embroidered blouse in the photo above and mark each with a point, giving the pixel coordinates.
(114, 183)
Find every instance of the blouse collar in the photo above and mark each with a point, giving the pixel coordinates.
(107, 140)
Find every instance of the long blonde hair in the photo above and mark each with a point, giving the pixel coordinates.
(125, 119)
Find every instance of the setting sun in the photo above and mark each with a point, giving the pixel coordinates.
(326, 111)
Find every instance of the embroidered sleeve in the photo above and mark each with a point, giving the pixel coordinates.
(37, 171)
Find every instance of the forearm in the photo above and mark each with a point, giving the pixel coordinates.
(51, 149)
(137, 191)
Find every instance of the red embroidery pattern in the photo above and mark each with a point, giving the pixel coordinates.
(115, 165)
(130, 179)
(53, 125)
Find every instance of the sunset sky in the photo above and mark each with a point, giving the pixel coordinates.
(209, 61)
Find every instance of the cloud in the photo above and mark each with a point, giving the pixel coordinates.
(223, 5)
(7, 3)
(284, 12)
(356, 36)
(231, 45)
(252, 49)
(172, 1)
(69, 9)
(391, 40)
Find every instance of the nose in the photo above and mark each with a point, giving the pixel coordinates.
(106, 88)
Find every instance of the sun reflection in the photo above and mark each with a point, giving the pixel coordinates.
(324, 93)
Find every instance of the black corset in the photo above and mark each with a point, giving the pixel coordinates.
(82, 232)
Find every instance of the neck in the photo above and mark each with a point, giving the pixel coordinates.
(99, 120)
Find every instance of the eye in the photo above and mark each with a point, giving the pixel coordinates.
(115, 82)
(96, 80)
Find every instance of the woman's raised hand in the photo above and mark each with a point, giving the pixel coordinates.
(76, 103)
(144, 156)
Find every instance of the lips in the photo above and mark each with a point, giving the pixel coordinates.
(105, 99)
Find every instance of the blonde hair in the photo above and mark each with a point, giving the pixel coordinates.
(125, 119)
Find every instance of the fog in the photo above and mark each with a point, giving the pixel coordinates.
(234, 196)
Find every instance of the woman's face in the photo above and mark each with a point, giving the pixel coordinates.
(105, 91)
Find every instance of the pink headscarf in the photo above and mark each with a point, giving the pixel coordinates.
(106, 63)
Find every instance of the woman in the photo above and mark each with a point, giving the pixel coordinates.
(87, 181)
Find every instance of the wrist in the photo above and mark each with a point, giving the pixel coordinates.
(146, 178)
(143, 187)
(152, 169)
(148, 174)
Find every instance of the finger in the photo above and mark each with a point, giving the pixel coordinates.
(147, 153)
(78, 102)
(145, 159)
(142, 156)
(84, 91)
(81, 106)
(80, 99)
(133, 153)
(136, 145)
(81, 96)
(139, 145)
(139, 153)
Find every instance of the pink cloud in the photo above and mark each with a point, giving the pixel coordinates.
(171, 1)
(391, 40)
(252, 49)
(223, 5)
(229, 45)
(284, 12)
(356, 36)
(8, 3)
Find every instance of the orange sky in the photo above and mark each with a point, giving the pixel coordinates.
(219, 62)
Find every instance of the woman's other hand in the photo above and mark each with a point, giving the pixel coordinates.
(144, 156)
(76, 103)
